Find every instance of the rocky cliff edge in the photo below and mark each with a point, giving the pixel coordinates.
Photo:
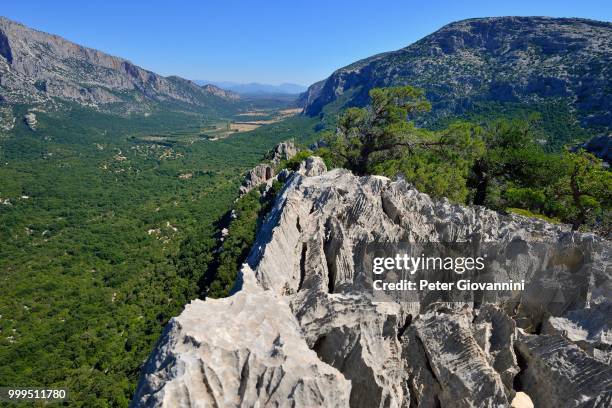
(300, 330)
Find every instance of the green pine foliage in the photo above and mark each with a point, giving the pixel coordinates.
(502, 163)
(295, 161)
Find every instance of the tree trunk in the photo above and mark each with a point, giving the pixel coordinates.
(482, 183)
(577, 195)
(361, 167)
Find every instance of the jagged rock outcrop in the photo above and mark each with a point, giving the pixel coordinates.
(460, 366)
(257, 176)
(590, 329)
(265, 172)
(423, 351)
(560, 374)
(30, 120)
(37, 68)
(284, 151)
(359, 338)
(494, 332)
(312, 166)
(497, 59)
(256, 358)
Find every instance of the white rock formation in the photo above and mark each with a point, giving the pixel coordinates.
(284, 151)
(312, 166)
(245, 350)
(256, 177)
(560, 374)
(265, 172)
(305, 283)
(30, 120)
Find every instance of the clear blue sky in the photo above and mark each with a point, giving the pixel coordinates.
(270, 41)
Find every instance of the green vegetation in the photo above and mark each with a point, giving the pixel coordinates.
(527, 213)
(499, 163)
(90, 237)
(215, 264)
(557, 125)
(295, 161)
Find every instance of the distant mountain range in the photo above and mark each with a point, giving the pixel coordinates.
(254, 88)
(37, 68)
(489, 61)
(482, 65)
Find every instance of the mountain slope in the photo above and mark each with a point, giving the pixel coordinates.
(222, 93)
(501, 60)
(36, 68)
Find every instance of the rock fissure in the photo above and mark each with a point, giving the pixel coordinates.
(317, 337)
(303, 265)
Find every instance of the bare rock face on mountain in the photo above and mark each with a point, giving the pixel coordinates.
(39, 68)
(305, 283)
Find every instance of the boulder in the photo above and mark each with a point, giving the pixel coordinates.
(257, 176)
(312, 166)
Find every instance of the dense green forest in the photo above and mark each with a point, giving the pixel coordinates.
(91, 222)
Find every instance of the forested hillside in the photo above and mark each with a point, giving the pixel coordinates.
(92, 214)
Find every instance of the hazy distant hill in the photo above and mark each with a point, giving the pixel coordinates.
(254, 88)
(38, 68)
(474, 63)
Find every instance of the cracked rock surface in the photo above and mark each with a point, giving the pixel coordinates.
(309, 333)
(256, 358)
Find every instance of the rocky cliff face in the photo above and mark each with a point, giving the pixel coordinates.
(505, 59)
(301, 330)
(36, 67)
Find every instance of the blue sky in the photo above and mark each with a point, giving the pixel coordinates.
(266, 41)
